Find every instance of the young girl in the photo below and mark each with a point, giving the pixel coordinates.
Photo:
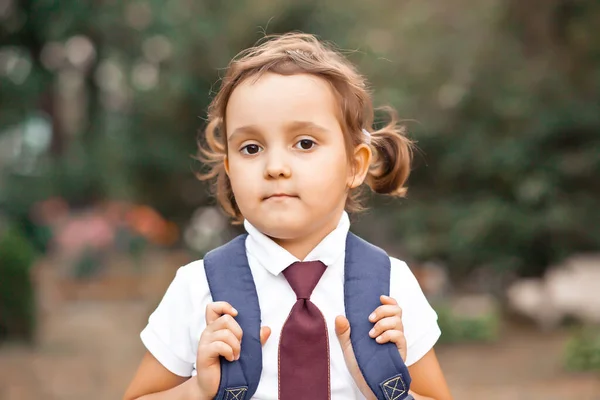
(290, 142)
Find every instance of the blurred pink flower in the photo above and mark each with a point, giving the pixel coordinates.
(88, 231)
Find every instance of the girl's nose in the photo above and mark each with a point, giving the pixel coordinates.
(277, 167)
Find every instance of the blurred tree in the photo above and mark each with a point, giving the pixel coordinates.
(511, 164)
(506, 94)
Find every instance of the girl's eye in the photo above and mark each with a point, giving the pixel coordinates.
(305, 144)
(251, 149)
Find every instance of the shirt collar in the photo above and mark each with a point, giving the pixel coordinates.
(275, 258)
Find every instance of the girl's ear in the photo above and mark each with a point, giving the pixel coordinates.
(226, 165)
(361, 160)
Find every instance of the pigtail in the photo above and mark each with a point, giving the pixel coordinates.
(392, 156)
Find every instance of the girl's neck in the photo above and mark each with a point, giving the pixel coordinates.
(301, 247)
(298, 248)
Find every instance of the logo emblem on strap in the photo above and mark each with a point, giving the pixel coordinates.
(394, 388)
(238, 393)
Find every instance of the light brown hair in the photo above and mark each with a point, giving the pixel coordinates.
(297, 53)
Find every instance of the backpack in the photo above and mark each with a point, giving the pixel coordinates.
(366, 277)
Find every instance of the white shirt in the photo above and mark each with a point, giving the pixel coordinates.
(174, 329)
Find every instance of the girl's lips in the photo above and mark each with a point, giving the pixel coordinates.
(280, 196)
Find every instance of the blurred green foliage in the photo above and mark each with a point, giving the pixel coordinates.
(505, 97)
(582, 352)
(458, 328)
(17, 303)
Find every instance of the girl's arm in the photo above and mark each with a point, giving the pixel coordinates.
(152, 377)
(428, 380)
(418, 396)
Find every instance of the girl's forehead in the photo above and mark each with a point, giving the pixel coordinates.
(281, 99)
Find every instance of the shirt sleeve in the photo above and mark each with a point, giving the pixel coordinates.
(418, 317)
(167, 334)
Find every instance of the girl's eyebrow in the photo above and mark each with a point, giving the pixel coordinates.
(291, 127)
(295, 126)
(243, 130)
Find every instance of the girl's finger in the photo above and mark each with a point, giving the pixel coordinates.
(386, 324)
(387, 310)
(226, 322)
(227, 337)
(396, 337)
(388, 300)
(218, 308)
(216, 349)
(265, 332)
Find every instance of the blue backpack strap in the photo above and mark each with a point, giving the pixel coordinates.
(366, 278)
(230, 279)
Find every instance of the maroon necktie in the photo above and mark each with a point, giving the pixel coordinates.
(304, 345)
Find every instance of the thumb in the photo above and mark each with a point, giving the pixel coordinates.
(342, 330)
(265, 332)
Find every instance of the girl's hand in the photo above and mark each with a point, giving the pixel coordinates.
(388, 328)
(388, 325)
(221, 338)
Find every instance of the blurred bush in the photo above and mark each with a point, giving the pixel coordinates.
(582, 352)
(467, 327)
(17, 302)
(509, 128)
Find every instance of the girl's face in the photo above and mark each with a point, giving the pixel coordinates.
(286, 157)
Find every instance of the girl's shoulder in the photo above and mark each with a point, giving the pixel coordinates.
(195, 267)
(189, 285)
(404, 285)
(401, 273)
(190, 273)
(418, 317)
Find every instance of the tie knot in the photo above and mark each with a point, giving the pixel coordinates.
(304, 276)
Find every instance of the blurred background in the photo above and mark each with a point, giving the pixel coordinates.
(101, 103)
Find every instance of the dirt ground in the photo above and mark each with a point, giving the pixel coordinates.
(524, 364)
(90, 351)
